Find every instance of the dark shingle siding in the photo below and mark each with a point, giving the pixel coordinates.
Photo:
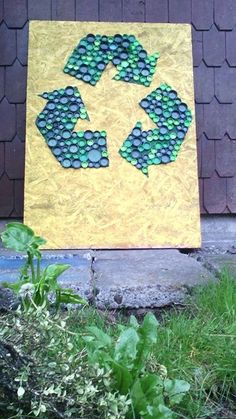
(214, 59)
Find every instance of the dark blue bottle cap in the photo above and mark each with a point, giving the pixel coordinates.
(165, 158)
(57, 151)
(66, 134)
(50, 134)
(69, 91)
(101, 141)
(182, 107)
(101, 65)
(136, 132)
(144, 103)
(41, 123)
(86, 77)
(50, 106)
(123, 55)
(172, 94)
(104, 162)
(125, 44)
(81, 50)
(94, 155)
(118, 38)
(137, 142)
(73, 149)
(142, 54)
(180, 135)
(88, 135)
(145, 72)
(76, 164)
(116, 60)
(90, 37)
(163, 130)
(175, 115)
(73, 108)
(66, 163)
(141, 64)
(135, 154)
(104, 46)
(113, 47)
(158, 111)
(52, 142)
(83, 68)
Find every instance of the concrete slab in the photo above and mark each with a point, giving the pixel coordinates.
(78, 276)
(128, 278)
(145, 278)
(120, 278)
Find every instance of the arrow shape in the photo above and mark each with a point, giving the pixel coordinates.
(160, 145)
(90, 58)
(56, 122)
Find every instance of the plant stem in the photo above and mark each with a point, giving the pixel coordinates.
(38, 269)
(31, 263)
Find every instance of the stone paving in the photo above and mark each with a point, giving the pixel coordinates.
(133, 279)
(127, 278)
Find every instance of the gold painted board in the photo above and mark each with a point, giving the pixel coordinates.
(118, 206)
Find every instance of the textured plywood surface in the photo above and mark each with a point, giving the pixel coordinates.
(117, 206)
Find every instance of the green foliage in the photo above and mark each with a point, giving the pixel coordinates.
(35, 286)
(45, 375)
(199, 344)
(107, 371)
(21, 238)
(127, 358)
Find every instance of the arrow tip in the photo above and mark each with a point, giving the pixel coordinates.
(43, 95)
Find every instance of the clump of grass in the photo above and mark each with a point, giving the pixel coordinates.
(199, 345)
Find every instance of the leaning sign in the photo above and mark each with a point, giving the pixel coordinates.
(111, 145)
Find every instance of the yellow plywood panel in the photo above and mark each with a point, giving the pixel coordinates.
(118, 206)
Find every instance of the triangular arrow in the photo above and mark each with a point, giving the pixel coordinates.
(90, 58)
(162, 144)
(56, 123)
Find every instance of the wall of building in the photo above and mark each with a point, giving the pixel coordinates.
(214, 53)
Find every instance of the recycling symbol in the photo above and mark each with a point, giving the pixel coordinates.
(88, 149)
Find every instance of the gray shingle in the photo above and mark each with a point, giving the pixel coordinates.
(215, 194)
(111, 10)
(214, 47)
(87, 10)
(207, 157)
(225, 83)
(7, 120)
(180, 11)
(215, 117)
(226, 157)
(15, 13)
(15, 159)
(157, 11)
(15, 87)
(7, 45)
(230, 47)
(204, 83)
(133, 11)
(225, 14)
(63, 10)
(202, 14)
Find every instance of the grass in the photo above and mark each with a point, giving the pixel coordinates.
(197, 344)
